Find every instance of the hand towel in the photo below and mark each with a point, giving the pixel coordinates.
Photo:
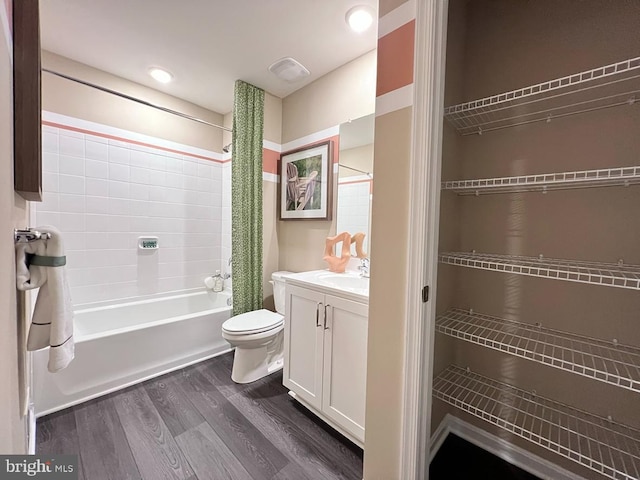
(52, 322)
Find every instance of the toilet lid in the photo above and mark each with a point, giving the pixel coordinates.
(253, 322)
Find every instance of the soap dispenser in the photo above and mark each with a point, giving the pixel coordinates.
(218, 282)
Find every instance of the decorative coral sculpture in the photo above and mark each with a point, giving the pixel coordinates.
(338, 264)
(358, 239)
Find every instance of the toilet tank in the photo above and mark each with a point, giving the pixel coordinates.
(278, 290)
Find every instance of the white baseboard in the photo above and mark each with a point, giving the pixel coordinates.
(31, 430)
(513, 454)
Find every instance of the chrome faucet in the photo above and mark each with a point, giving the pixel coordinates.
(364, 267)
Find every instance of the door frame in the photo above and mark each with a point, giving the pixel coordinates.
(425, 163)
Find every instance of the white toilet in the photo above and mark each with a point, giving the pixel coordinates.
(258, 337)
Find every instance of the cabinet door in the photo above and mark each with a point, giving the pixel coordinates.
(345, 364)
(303, 344)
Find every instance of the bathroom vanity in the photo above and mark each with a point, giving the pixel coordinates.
(325, 347)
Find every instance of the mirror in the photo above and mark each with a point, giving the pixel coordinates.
(355, 179)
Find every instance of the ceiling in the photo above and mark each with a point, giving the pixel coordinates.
(206, 44)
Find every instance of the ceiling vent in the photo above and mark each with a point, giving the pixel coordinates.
(289, 70)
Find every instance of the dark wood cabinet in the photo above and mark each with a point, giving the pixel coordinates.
(27, 100)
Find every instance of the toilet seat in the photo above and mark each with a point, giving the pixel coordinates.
(258, 321)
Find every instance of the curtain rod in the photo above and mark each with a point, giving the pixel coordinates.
(355, 169)
(134, 99)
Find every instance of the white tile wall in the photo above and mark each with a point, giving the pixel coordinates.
(354, 204)
(103, 194)
(225, 203)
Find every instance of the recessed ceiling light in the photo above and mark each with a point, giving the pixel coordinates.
(160, 75)
(360, 18)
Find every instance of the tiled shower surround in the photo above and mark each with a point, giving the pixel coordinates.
(354, 206)
(104, 193)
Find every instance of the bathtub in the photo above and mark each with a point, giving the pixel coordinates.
(123, 344)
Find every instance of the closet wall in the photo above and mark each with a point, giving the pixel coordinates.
(496, 46)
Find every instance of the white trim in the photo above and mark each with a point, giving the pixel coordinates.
(512, 454)
(31, 430)
(397, 18)
(128, 135)
(311, 138)
(276, 147)
(394, 100)
(426, 157)
(270, 177)
(6, 30)
(354, 179)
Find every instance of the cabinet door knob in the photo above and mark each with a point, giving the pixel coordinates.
(318, 313)
(325, 316)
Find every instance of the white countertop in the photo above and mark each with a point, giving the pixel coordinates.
(349, 284)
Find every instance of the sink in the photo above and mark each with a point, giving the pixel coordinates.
(345, 281)
(349, 281)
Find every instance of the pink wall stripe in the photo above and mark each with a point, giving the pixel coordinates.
(270, 160)
(133, 142)
(395, 59)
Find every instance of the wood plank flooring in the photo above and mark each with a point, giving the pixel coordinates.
(196, 424)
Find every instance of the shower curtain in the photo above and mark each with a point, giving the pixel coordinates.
(246, 197)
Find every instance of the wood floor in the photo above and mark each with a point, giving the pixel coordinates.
(196, 423)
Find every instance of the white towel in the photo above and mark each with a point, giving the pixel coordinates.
(52, 322)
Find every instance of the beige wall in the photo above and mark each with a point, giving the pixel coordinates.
(69, 98)
(270, 247)
(346, 93)
(386, 6)
(272, 118)
(387, 315)
(349, 92)
(12, 214)
(358, 157)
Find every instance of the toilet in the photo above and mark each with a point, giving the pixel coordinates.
(258, 337)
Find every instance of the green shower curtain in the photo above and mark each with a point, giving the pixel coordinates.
(246, 197)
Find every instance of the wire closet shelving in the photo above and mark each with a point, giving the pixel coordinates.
(603, 87)
(601, 360)
(606, 177)
(598, 443)
(606, 274)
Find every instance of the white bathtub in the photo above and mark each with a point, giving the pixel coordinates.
(123, 344)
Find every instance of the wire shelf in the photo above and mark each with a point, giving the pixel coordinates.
(606, 274)
(604, 446)
(603, 87)
(605, 361)
(608, 177)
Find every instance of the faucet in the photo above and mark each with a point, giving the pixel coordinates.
(364, 267)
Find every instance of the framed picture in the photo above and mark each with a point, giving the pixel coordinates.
(305, 183)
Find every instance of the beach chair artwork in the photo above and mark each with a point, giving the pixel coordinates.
(305, 183)
(300, 190)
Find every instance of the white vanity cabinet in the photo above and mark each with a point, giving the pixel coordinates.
(325, 355)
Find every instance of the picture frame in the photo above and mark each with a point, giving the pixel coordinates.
(305, 188)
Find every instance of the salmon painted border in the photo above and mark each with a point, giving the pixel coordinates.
(396, 59)
(370, 182)
(127, 140)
